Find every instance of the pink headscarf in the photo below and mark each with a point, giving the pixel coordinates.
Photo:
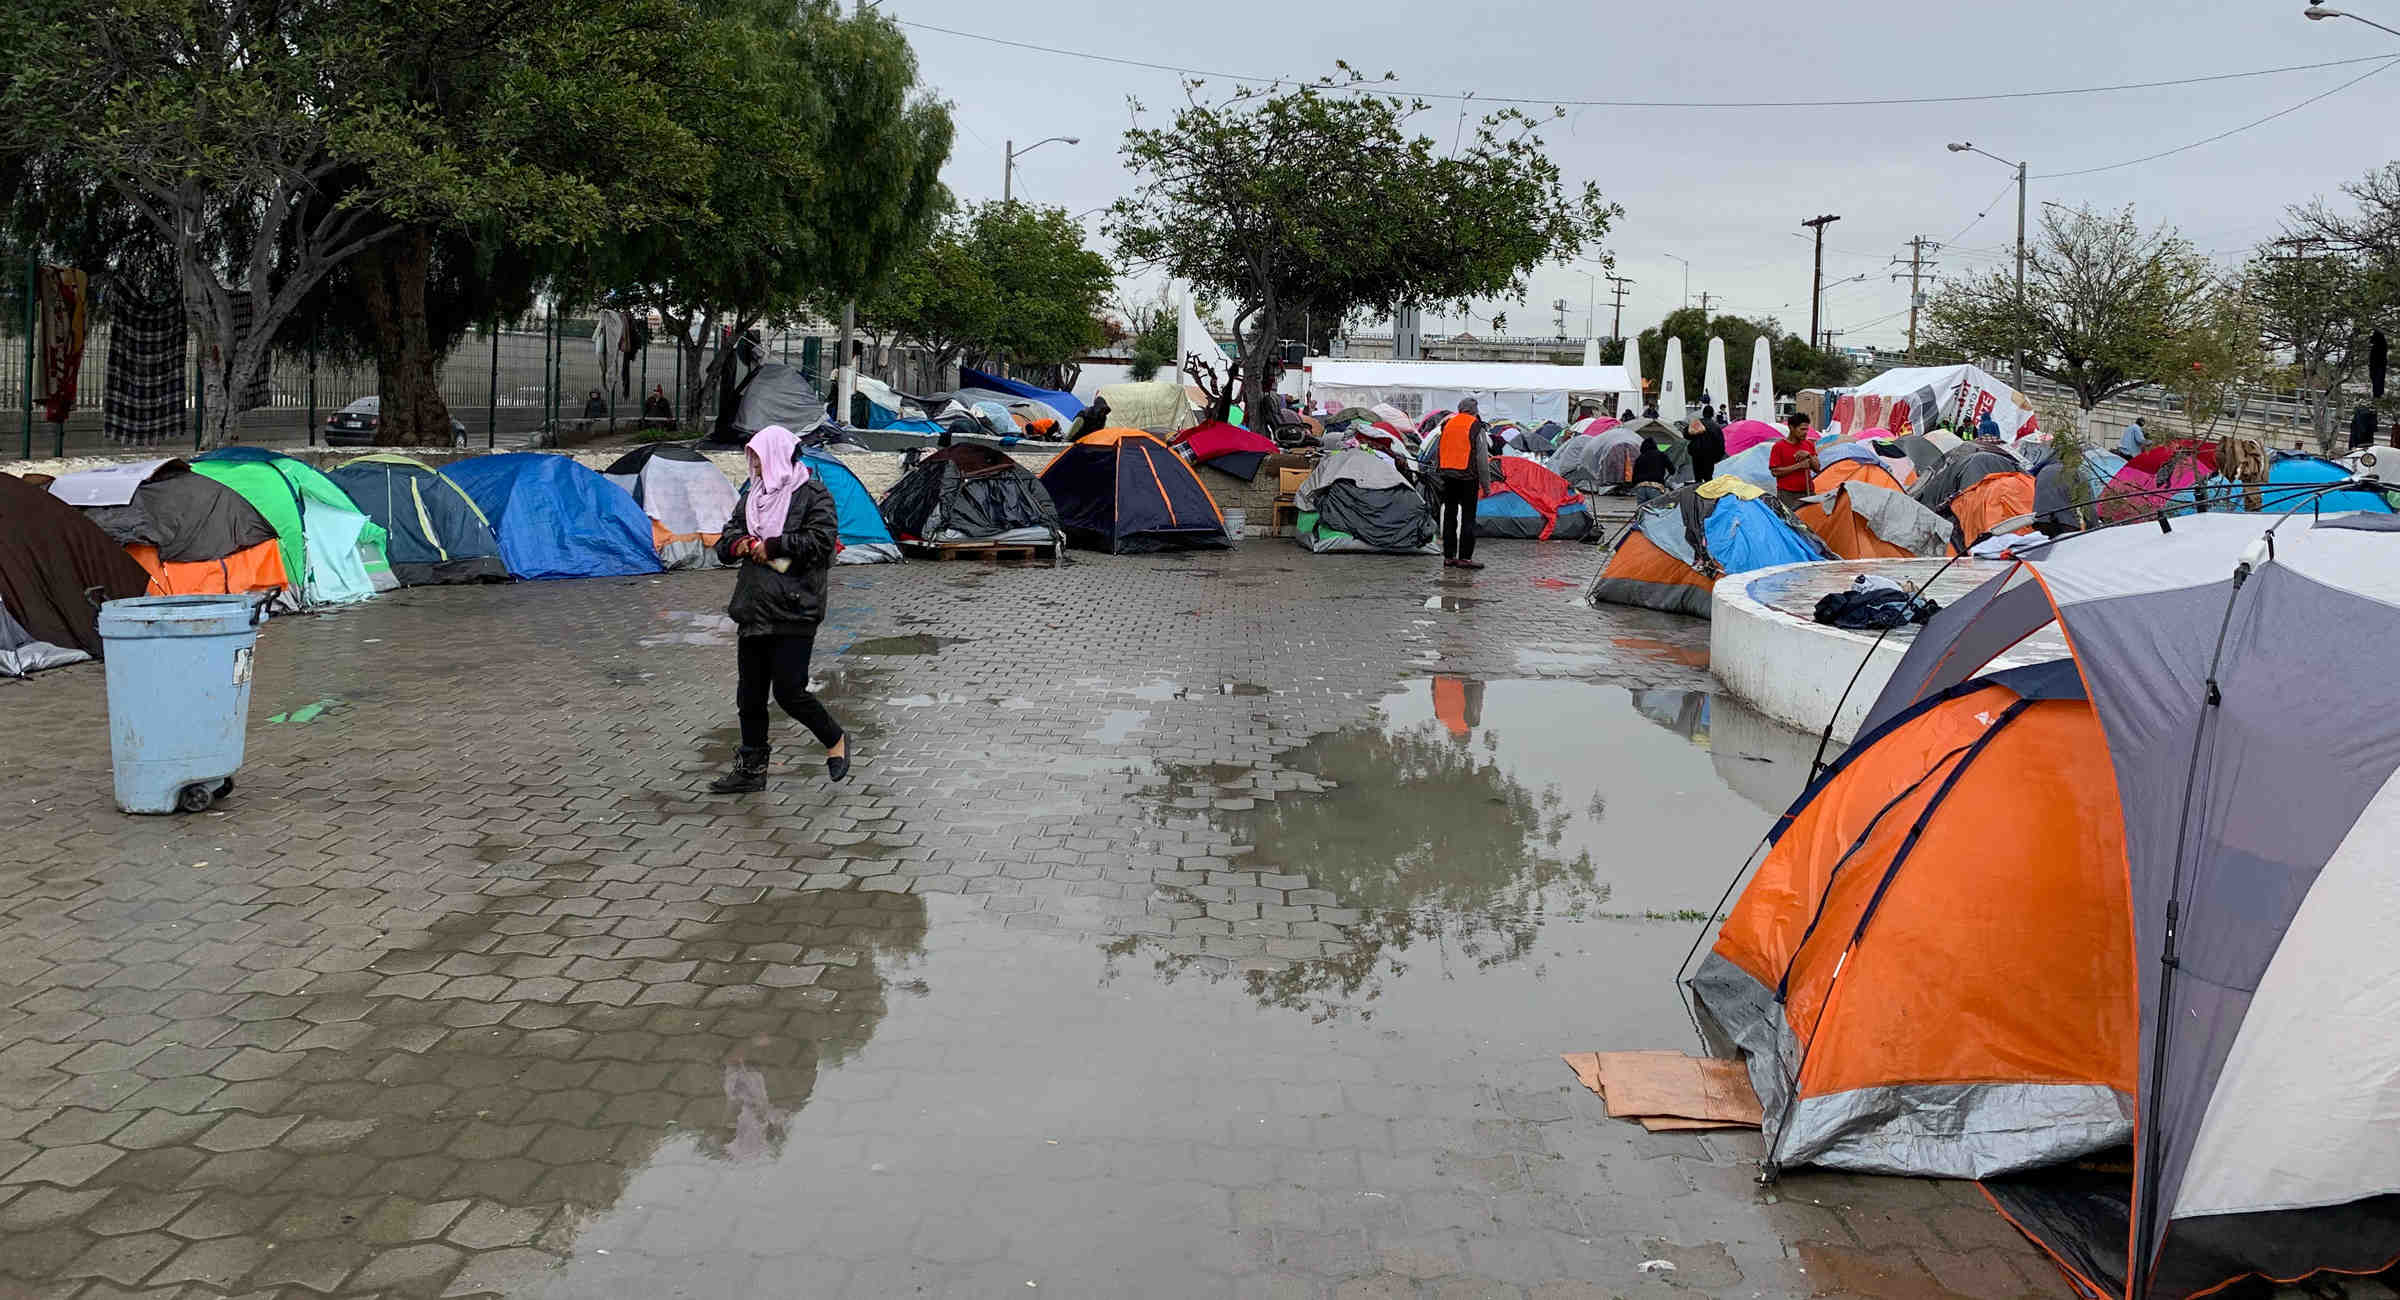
(776, 473)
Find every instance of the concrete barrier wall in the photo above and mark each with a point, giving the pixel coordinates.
(1790, 668)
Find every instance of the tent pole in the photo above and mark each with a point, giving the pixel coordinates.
(33, 294)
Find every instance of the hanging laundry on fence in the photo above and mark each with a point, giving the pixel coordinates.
(143, 402)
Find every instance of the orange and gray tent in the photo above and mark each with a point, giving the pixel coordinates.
(1859, 520)
(194, 535)
(1124, 491)
(1852, 462)
(2141, 895)
(1978, 488)
(1679, 544)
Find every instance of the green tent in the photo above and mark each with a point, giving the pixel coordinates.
(332, 552)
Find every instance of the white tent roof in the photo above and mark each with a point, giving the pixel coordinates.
(1481, 376)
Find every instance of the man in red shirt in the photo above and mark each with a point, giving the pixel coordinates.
(1793, 462)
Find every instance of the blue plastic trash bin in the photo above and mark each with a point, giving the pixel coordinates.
(178, 696)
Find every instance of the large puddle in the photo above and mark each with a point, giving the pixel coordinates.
(1512, 797)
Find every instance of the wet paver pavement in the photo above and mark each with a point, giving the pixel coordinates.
(1200, 926)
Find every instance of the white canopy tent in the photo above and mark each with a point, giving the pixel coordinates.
(1526, 391)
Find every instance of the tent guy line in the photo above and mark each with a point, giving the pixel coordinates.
(1375, 88)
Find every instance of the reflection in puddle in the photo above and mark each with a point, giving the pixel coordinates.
(1152, 691)
(1453, 604)
(1755, 756)
(1119, 725)
(1466, 815)
(1666, 652)
(925, 701)
(914, 643)
(688, 627)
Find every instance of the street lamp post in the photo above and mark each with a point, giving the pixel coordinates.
(1008, 166)
(1969, 147)
(2319, 13)
(1687, 279)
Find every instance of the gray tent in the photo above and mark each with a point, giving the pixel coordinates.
(22, 656)
(1361, 500)
(778, 394)
(2254, 753)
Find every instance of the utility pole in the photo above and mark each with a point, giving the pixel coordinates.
(1617, 330)
(1918, 247)
(1705, 295)
(1816, 283)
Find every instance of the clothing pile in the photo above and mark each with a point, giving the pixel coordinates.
(1874, 604)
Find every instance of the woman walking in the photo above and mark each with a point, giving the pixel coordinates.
(783, 537)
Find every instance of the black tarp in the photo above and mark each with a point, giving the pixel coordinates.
(50, 555)
(967, 493)
(187, 516)
(1388, 519)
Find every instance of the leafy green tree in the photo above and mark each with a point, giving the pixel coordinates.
(997, 284)
(269, 143)
(2217, 352)
(1323, 200)
(2103, 300)
(826, 176)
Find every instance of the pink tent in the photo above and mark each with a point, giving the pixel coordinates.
(1742, 435)
(2141, 494)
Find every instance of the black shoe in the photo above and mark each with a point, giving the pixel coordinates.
(837, 766)
(749, 774)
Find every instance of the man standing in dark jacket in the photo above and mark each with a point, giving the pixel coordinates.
(783, 535)
(1707, 444)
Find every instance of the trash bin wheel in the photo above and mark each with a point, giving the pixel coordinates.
(195, 798)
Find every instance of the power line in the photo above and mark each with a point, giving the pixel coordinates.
(2388, 61)
(1378, 88)
(1987, 211)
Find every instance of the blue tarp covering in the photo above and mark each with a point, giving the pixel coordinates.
(2301, 470)
(556, 519)
(1746, 535)
(879, 418)
(859, 518)
(1067, 404)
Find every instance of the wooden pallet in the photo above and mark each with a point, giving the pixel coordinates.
(990, 552)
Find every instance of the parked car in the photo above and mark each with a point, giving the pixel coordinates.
(354, 425)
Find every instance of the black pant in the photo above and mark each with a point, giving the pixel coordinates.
(1458, 518)
(779, 663)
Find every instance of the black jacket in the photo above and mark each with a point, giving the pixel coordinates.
(769, 603)
(1708, 447)
(2362, 427)
(1653, 465)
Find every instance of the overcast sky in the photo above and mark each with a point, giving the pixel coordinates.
(1727, 188)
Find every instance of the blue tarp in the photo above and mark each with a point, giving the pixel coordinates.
(556, 519)
(2298, 471)
(1746, 535)
(1067, 404)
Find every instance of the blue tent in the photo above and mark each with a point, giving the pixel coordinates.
(556, 519)
(1745, 535)
(2301, 472)
(1066, 404)
(865, 540)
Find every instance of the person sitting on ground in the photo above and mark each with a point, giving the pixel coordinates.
(656, 406)
(1650, 412)
(1626, 416)
(1463, 468)
(1793, 461)
(1651, 470)
(595, 407)
(1987, 429)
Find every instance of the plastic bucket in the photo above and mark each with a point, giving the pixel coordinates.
(178, 696)
(1237, 523)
